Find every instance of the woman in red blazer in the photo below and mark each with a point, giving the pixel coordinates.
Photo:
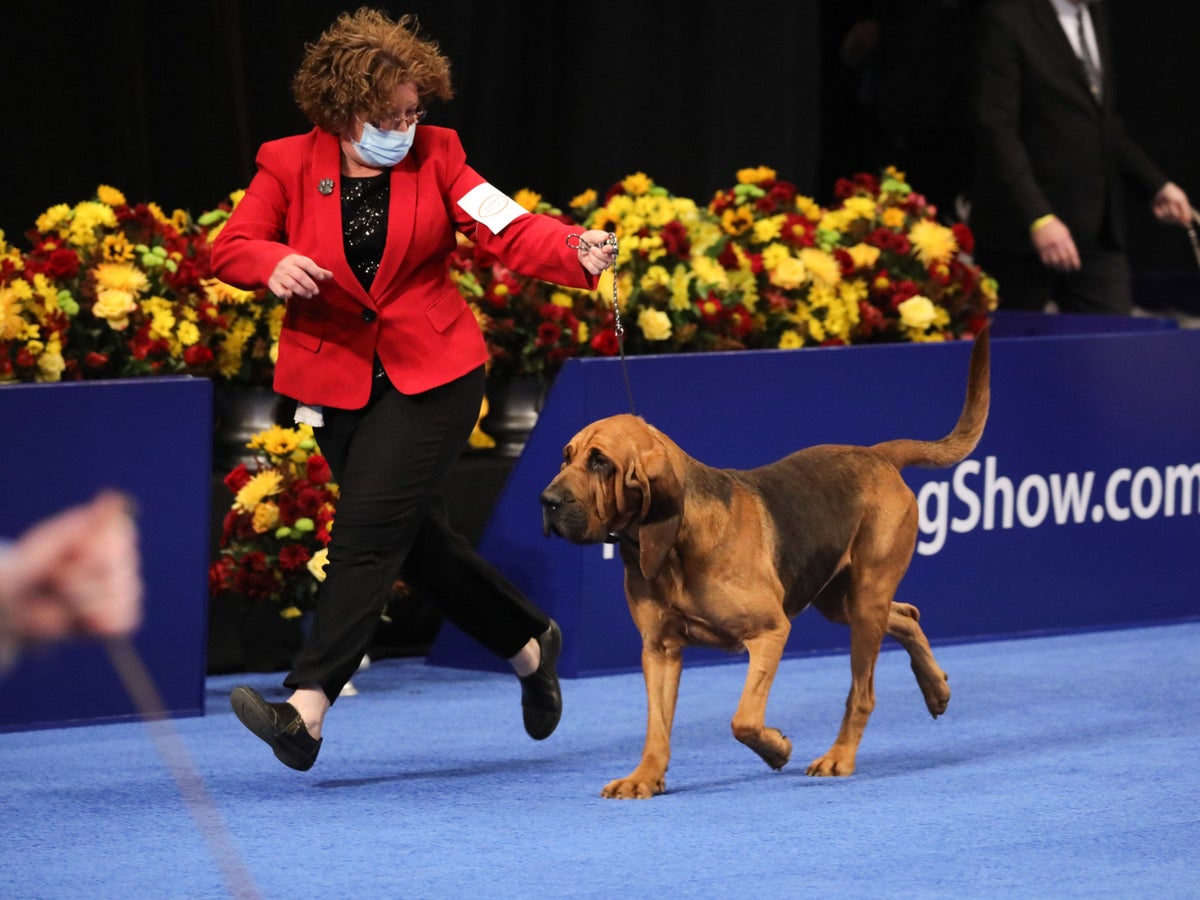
(353, 224)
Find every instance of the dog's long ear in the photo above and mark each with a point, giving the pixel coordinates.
(662, 507)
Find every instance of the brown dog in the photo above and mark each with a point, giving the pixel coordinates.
(725, 558)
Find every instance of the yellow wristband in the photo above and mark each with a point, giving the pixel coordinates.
(1038, 223)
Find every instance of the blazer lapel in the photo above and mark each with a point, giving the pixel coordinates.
(1100, 26)
(402, 215)
(1046, 19)
(327, 171)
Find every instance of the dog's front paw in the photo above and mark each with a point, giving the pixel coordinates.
(635, 786)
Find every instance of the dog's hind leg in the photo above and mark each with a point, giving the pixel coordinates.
(905, 627)
(749, 722)
(865, 607)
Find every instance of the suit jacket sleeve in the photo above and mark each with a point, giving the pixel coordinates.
(998, 91)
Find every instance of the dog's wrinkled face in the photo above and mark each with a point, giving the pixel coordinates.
(616, 474)
(587, 501)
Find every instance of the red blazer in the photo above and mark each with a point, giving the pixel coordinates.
(412, 315)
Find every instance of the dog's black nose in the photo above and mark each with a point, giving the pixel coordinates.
(550, 500)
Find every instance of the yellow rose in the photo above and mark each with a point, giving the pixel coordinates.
(115, 306)
(266, 517)
(655, 324)
(656, 277)
(788, 273)
(51, 365)
(917, 313)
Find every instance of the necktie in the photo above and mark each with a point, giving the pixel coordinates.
(1085, 55)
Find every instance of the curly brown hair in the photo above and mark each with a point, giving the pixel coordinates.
(355, 66)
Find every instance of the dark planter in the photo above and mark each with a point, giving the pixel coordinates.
(514, 402)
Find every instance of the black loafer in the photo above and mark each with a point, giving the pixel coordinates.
(541, 698)
(279, 724)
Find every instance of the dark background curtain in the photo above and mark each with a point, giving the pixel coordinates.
(169, 101)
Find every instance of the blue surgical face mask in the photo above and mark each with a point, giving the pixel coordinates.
(383, 149)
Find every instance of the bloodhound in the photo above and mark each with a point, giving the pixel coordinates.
(726, 558)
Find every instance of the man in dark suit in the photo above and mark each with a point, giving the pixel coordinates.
(1052, 159)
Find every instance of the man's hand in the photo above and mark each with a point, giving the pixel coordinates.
(1055, 246)
(1171, 205)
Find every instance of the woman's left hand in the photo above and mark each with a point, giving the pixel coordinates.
(595, 252)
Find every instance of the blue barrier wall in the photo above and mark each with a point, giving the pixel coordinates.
(1078, 510)
(152, 439)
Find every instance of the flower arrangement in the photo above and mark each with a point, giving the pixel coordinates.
(761, 266)
(111, 289)
(274, 538)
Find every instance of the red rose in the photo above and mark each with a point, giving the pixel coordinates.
(317, 469)
(198, 355)
(605, 343)
(238, 478)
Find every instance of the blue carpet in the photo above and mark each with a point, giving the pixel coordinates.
(1066, 766)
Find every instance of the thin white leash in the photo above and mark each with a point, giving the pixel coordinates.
(139, 684)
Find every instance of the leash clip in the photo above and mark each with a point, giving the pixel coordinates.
(577, 242)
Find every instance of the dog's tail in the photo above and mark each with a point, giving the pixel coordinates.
(959, 443)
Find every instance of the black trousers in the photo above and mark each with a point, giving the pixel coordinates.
(1102, 284)
(389, 460)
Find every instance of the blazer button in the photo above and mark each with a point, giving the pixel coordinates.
(368, 316)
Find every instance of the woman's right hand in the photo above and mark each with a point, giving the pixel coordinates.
(296, 276)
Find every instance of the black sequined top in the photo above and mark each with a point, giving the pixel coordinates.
(364, 223)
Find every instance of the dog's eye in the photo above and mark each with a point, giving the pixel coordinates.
(598, 462)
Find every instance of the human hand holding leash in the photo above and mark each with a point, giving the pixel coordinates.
(1171, 205)
(597, 250)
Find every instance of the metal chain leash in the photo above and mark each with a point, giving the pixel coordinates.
(1191, 232)
(577, 242)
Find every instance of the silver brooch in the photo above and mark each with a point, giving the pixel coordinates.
(325, 186)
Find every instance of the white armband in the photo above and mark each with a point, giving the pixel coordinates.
(491, 207)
